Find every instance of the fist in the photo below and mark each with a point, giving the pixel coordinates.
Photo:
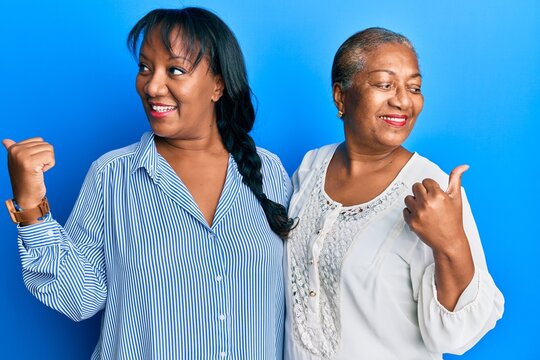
(436, 215)
(28, 160)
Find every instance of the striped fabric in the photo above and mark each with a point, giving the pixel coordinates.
(171, 287)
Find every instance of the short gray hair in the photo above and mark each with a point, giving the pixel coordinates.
(350, 57)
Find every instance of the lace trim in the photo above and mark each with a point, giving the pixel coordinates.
(318, 329)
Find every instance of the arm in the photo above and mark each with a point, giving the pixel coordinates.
(436, 216)
(475, 302)
(63, 269)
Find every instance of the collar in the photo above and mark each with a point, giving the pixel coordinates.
(146, 156)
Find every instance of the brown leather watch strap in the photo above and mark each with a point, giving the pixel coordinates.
(26, 215)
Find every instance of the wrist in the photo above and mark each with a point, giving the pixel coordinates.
(22, 203)
(453, 248)
(27, 216)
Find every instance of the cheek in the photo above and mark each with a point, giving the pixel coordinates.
(371, 102)
(419, 104)
(139, 86)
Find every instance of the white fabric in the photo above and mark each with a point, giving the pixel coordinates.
(360, 284)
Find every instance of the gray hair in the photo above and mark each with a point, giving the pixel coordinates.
(350, 57)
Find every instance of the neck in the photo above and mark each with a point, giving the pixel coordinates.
(193, 146)
(358, 160)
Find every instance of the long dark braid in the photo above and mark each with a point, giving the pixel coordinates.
(204, 33)
(242, 147)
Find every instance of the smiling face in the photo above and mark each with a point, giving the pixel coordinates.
(382, 104)
(179, 100)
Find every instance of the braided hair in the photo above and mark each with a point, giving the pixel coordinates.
(206, 35)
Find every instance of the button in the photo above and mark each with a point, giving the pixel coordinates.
(219, 278)
(223, 354)
(312, 293)
(50, 233)
(221, 317)
(310, 262)
(318, 232)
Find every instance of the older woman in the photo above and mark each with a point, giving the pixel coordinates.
(177, 237)
(385, 261)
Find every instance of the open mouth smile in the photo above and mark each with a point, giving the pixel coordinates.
(161, 110)
(394, 120)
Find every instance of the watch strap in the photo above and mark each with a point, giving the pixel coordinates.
(25, 215)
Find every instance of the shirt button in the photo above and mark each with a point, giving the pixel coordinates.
(219, 278)
(310, 262)
(50, 233)
(221, 317)
(312, 293)
(223, 354)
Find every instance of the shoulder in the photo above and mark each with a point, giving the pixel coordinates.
(268, 157)
(313, 160)
(421, 168)
(126, 156)
(115, 157)
(315, 157)
(276, 181)
(271, 165)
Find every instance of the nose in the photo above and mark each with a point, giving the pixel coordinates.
(156, 85)
(401, 99)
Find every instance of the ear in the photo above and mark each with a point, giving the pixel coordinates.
(337, 93)
(218, 88)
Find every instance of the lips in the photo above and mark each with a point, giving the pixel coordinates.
(394, 119)
(158, 110)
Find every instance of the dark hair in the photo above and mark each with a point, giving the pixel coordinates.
(207, 36)
(350, 57)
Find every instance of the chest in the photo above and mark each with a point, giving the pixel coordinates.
(155, 230)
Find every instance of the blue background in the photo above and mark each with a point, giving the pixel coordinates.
(67, 76)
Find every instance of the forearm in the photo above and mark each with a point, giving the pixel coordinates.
(56, 273)
(454, 270)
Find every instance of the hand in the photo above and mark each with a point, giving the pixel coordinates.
(28, 160)
(436, 215)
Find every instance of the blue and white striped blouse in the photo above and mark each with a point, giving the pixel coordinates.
(172, 287)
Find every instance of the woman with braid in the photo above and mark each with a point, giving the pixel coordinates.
(177, 238)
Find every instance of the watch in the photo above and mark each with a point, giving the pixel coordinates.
(24, 215)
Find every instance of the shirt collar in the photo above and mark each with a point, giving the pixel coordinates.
(146, 155)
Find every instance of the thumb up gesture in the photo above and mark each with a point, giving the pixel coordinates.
(435, 215)
(28, 160)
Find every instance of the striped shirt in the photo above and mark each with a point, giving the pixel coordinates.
(172, 287)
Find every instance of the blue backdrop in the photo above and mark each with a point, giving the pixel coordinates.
(68, 77)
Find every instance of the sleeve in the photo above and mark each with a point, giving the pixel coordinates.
(65, 267)
(300, 180)
(277, 184)
(479, 307)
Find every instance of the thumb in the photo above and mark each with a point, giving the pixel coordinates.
(454, 182)
(7, 143)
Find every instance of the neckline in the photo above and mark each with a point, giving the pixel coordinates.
(327, 197)
(179, 192)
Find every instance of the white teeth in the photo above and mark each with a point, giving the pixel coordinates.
(163, 108)
(392, 119)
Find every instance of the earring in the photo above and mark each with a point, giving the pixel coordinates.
(340, 114)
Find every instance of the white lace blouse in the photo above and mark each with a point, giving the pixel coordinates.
(360, 284)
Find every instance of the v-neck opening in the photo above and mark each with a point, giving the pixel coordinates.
(187, 201)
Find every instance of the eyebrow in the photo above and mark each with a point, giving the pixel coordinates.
(172, 57)
(393, 73)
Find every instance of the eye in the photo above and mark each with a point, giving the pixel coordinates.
(143, 68)
(176, 71)
(384, 86)
(415, 89)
